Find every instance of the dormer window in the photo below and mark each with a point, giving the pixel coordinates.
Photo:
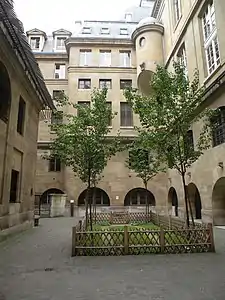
(123, 31)
(60, 43)
(128, 17)
(86, 30)
(104, 30)
(35, 43)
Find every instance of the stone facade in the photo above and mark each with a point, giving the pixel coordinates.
(19, 116)
(175, 30)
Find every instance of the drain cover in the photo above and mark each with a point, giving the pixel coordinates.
(49, 269)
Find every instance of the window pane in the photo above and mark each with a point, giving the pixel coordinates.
(105, 83)
(125, 83)
(125, 58)
(85, 57)
(84, 84)
(105, 58)
(126, 114)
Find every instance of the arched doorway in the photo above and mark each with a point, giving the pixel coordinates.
(45, 197)
(101, 197)
(218, 202)
(138, 197)
(5, 93)
(195, 200)
(173, 201)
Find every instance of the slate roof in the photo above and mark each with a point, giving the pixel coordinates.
(12, 28)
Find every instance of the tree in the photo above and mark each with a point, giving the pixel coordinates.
(144, 162)
(81, 140)
(167, 115)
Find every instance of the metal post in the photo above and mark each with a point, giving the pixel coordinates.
(71, 208)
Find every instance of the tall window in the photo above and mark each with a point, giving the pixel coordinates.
(125, 58)
(14, 186)
(218, 127)
(177, 10)
(125, 83)
(105, 58)
(182, 57)
(84, 84)
(126, 115)
(105, 83)
(85, 57)
(35, 43)
(21, 116)
(54, 165)
(210, 38)
(60, 71)
(5, 93)
(60, 43)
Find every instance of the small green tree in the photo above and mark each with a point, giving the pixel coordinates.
(81, 140)
(144, 162)
(166, 116)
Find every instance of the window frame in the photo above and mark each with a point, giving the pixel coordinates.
(182, 57)
(218, 130)
(124, 119)
(21, 116)
(55, 163)
(104, 56)
(102, 81)
(105, 30)
(122, 83)
(84, 85)
(124, 59)
(177, 11)
(86, 56)
(62, 47)
(123, 31)
(60, 71)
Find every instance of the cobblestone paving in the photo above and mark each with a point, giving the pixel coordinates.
(37, 265)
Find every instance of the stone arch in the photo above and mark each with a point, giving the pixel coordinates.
(137, 196)
(5, 93)
(195, 200)
(45, 199)
(102, 198)
(173, 201)
(218, 202)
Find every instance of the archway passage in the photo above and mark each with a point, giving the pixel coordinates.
(5, 93)
(100, 196)
(173, 201)
(218, 202)
(138, 197)
(195, 200)
(45, 197)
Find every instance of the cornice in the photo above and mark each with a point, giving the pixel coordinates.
(146, 28)
(97, 69)
(56, 81)
(98, 42)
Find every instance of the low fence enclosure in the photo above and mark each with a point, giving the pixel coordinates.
(171, 237)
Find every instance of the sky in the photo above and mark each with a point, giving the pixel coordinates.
(49, 15)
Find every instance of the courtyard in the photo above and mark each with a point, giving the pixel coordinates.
(37, 265)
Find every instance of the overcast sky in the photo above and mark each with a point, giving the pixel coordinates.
(49, 15)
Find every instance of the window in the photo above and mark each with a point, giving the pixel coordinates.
(58, 94)
(125, 83)
(105, 83)
(57, 117)
(35, 43)
(177, 10)
(21, 116)
(54, 165)
(189, 140)
(218, 127)
(123, 31)
(60, 43)
(84, 84)
(105, 58)
(85, 57)
(60, 71)
(109, 104)
(86, 30)
(126, 115)
(125, 59)
(14, 186)
(142, 42)
(128, 17)
(211, 45)
(182, 58)
(104, 30)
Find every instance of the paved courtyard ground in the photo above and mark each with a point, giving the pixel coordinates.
(37, 265)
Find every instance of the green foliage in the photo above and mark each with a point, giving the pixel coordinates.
(145, 163)
(81, 141)
(168, 113)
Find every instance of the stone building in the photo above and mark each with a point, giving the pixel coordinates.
(126, 52)
(22, 95)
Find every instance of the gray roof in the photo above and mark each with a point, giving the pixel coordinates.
(14, 32)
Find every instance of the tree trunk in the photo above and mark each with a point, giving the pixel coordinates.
(90, 203)
(86, 209)
(94, 202)
(185, 199)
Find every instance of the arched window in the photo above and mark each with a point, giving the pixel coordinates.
(5, 93)
(139, 196)
(98, 196)
(218, 127)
